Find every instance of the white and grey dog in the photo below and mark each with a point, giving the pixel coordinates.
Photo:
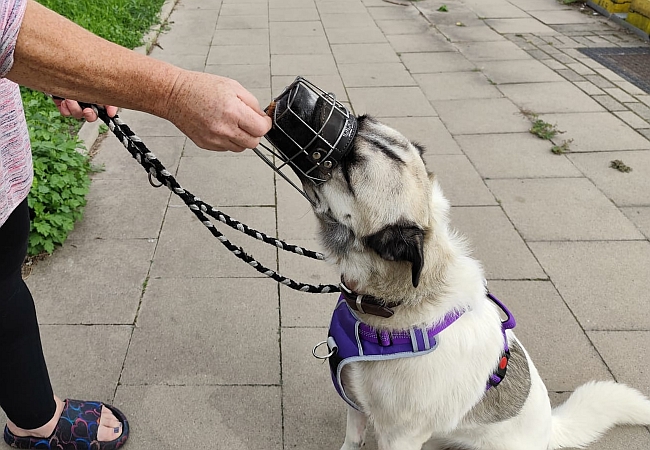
(384, 222)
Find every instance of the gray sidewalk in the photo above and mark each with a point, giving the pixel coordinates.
(145, 309)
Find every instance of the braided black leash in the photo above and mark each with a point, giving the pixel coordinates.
(156, 170)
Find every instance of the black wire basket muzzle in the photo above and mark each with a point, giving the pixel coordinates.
(311, 132)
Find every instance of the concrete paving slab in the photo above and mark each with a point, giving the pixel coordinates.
(195, 331)
(527, 25)
(404, 13)
(188, 249)
(498, 10)
(243, 22)
(460, 182)
(346, 20)
(303, 65)
(239, 54)
(626, 354)
(116, 163)
(492, 51)
(479, 116)
(390, 102)
(92, 281)
(251, 76)
(602, 282)
(314, 414)
(240, 37)
(557, 97)
(496, 243)
(306, 45)
(560, 209)
(307, 270)
(328, 83)
(219, 181)
(427, 131)
(549, 332)
(595, 132)
(145, 125)
(300, 309)
(403, 26)
(518, 71)
(436, 62)
(624, 189)
(341, 6)
(537, 5)
(364, 53)
(244, 9)
(235, 417)
(187, 37)
(640, 216)
(295, 217)
(290, 4)
(462, 34)
(376, 74)
(188, 62)
(127, 205)
(361, 35)
(425, 42)
(456, 86)
(562, 17)
(514, 155)
(298, 14)
(103, 348)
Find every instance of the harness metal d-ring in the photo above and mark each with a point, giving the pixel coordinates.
(313, 351)
(152, 183)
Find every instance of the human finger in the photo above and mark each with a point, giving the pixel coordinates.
(73, 107)
(250, 100)
(111, 111)
(89, 114)
(254, 124)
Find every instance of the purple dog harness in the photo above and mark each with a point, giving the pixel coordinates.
(350, 340)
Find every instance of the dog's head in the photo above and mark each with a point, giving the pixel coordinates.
(376, 212)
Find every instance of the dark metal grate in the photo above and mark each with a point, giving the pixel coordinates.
(631, 63)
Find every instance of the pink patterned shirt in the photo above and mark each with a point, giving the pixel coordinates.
(15, 152)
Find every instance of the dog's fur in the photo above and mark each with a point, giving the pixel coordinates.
(383, 221)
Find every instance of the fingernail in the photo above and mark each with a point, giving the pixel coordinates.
(116, 430)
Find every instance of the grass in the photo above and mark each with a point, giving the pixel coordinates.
(124, 22)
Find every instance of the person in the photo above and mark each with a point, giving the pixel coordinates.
(44, 51)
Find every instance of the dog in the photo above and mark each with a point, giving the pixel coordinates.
(383, 220)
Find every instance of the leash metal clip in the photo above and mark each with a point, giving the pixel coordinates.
(331, 345)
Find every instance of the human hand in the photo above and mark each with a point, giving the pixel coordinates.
(216, 113)
(72, 108)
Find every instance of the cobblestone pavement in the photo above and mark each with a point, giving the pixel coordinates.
(200, 351)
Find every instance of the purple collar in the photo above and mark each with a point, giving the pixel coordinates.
(351, 340)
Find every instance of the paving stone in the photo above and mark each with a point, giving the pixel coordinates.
(244, 9)
(624, 189)
(491, 51)
(600, 281)
(625, 352)
(403, 26)
(346, 20)
(570, 75)
(193, 331)
(592, 132)
(248, 22)
(306, 45)
(498, 10)
(527, 25)
(307, 270)
(514, 155)
(241, 37)
(145, 125)
(184, 238)
(641, 110)
(291, 4)
(589, 88)
(99, 375)
(342, 6)
(479, 33)
(479, 116)
(427, 131)
(460, 182)
(620, 95)
(425, 42)
(543, 56)
(354, 35)
(561, 17)
(364, 53)
(295, 219)
(188, 62)
(390, 102)
(251, 76)
(599, 81)
(494, 241)
(296, 29)
(329, 83)
(518, 71)
(375, 74)
(561, 209)
(314, 414)
(92, 281)
(436, 62)
(239, 54)
(303, 65)
(609, 103)
(549, 332)
(457, 86)
(550, 97)
(293, 14)
(238, 417)
(641, 218)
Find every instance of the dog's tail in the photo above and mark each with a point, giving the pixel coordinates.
(593, 409)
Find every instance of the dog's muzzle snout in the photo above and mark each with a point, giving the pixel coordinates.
(311, 131)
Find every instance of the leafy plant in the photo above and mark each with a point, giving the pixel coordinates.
(443, 8)
(620, 166)
(61, 179)
(544, 130)
(562, 148)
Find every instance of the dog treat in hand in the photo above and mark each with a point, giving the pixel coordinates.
(270, 109)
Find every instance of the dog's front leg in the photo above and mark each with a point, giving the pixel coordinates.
(355, 432)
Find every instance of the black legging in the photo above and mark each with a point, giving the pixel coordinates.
(25, 390)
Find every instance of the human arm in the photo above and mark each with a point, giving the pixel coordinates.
(55, 55)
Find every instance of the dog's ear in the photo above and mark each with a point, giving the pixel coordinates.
(401, 242)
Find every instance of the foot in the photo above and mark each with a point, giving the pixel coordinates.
(110, 428)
